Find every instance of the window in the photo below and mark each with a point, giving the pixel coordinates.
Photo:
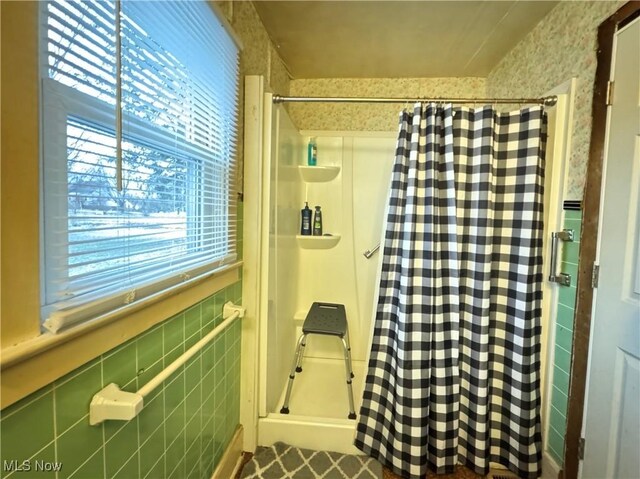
(139, 151)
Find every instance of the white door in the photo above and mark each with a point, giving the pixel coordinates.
(612, 417)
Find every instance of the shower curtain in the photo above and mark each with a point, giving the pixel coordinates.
(454, 369)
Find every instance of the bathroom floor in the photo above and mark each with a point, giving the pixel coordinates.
(461, 472)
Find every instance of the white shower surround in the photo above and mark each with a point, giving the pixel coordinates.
(344, 207)
(353, 204)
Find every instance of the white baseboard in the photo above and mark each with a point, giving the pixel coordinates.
(231, 459)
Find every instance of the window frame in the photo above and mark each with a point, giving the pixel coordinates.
(61, 102)
(31, 359)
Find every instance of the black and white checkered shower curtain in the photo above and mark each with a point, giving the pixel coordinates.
(454, 370)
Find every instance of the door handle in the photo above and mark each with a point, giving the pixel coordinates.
(561, 278)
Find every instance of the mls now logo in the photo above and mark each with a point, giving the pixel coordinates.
(27, 465)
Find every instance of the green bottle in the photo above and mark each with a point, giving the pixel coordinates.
(317, 222)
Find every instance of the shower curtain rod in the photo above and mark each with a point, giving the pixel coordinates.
(546, 101)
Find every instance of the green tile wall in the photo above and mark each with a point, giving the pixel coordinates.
(563, 340)
(183, 430)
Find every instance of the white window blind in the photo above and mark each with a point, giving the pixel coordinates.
(176, 92)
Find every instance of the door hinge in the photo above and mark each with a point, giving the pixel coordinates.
(581, 449)
(595, 275)
(610, 86)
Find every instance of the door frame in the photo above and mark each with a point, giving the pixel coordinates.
(589, 239)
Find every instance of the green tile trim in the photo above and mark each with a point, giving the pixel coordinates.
(567, 295)
(120, 366)
(42, 465)
(570, 252)
(559, 400)
(28, 429)
(556, 445)
(149, 347)
(576, 226)
(78, 444)
(564, 337)
(562, 359)
(129, 470)
(565, 316)
(561, 380)
(191, 416)
(92, 468)
(557, 421)
(573, 214)
(72, 400)
(121, 447)
(157, 470)
(175, 454)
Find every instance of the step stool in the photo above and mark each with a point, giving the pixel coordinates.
(330, 320)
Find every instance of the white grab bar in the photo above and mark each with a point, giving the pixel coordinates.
(111, 403)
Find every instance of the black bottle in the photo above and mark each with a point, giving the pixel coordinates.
(305, 228)
(317, 222)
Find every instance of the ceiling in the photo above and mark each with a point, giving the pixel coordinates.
(391, 39)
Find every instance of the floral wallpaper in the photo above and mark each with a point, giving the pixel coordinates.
(560, 47)
(258, 57)
(370, 117)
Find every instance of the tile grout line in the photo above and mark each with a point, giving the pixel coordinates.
(55, 426)
(80, 466)
(559, 412)
(183, 370)
(53, 441)
(559, 346)
(80, 370)
(556, 431)
(138, 422)
(123, 466)
(161, 458)
(104, 434)
(200, 411)
(29, 403)
(164, 411)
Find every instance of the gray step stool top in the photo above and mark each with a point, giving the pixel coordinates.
(326, 318)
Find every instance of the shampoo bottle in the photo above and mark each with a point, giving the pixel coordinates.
(317, 222)
(305, 228)
(312, 152)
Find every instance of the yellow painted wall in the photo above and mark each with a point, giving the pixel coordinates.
(20, 160)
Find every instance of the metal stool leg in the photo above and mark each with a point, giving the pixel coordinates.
(297, 360)
(349, 351)
(303, 345)
(347, 361)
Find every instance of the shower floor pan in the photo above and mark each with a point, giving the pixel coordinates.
(319, 407)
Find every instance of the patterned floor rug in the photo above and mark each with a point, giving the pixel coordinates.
(282, 461)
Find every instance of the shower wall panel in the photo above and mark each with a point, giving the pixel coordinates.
(353, 207)
(284, 209)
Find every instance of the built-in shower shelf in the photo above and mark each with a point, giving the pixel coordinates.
(318, 174)
(317, 242)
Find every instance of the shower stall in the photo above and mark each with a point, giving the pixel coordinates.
(351, 184)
